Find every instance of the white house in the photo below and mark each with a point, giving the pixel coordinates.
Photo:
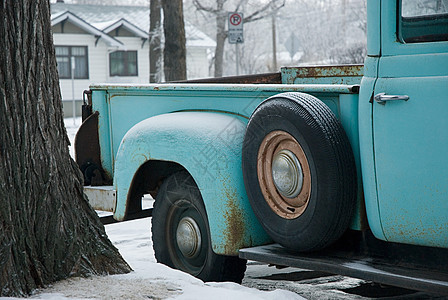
(109, 44)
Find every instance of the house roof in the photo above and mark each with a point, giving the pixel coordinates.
(133, 18)
(114, 24)
(66, 15)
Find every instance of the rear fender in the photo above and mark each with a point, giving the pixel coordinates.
(208, 145)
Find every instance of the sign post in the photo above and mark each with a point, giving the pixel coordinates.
(292, 45)
(236, 35)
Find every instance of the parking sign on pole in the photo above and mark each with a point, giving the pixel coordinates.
(236, 28)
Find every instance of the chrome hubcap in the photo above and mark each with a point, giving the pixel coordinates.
(284, 174)
(188, 236)
(287, 173)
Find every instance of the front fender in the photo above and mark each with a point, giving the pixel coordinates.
(208, 145)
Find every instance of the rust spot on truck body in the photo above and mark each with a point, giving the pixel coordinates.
(88, 153)
(266, 78)
(235, 225)
(326, 71)
(338, 74)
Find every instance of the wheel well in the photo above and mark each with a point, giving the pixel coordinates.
(148, 179)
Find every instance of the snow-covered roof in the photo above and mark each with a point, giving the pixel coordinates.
(67, 15)
(109, 26)
(134, 18)
(197, 38)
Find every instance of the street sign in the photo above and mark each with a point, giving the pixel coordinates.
(236, 28)
(292, 45)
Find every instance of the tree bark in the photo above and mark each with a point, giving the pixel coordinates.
(48, 231)
(155, 47)
(174, 58)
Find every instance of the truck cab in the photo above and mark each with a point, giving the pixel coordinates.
(403, 124)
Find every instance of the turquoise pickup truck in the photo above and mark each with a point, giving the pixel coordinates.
(342, 169)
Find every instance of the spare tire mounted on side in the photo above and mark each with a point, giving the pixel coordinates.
(299, 171)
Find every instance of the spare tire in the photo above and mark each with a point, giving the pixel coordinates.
(299, 171)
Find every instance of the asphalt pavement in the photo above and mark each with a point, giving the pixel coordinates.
(319, 285)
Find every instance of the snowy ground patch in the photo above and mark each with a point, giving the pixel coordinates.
(149, 280)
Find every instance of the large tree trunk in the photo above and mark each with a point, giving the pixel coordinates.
(174, 58)
(155, 48)
(48, 231)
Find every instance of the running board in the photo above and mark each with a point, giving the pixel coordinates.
(396, 273)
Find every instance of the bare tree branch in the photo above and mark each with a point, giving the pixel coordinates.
(209, 9)
(239, 5)
(271, 7)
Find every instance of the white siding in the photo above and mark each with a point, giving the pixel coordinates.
(197, 63)
(98, 60)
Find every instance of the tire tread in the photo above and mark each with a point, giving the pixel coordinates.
(321, 120)
(218, 267)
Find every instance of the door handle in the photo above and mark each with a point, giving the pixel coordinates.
(382, 98)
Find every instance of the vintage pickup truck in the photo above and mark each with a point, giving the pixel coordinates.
(342, 169)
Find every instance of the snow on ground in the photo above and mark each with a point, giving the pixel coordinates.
(149, 280)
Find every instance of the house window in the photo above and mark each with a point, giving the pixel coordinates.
(63, 58)
(123, 63)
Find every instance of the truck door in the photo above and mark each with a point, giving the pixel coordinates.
(410, 122)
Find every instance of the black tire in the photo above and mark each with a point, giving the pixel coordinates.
(180, 199)
(331, 168)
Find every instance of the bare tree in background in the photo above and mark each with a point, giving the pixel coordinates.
(218, 10)
(354, 52)
(329, 32)
(48, 231)
(175, 53)
(155, 37)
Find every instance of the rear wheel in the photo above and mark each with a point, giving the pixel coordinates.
(299, 171)
(181, 235)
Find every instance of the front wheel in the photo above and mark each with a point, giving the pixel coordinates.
(181, 235)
